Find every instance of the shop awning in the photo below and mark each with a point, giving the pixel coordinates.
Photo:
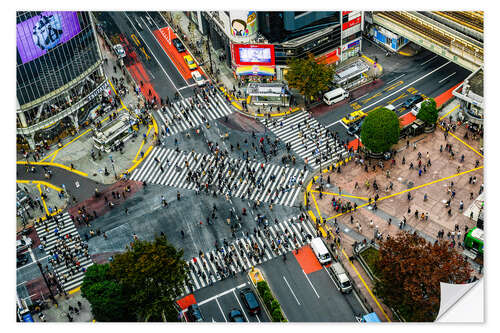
(255, 70)
(328, 58)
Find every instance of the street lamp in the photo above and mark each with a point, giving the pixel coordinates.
(46, 282)
(113, 165)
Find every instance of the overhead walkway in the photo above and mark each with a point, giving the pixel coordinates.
(438, 38)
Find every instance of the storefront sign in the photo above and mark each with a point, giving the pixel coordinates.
(351, 23)
(346, 12)
(99, 90)
(353, 44)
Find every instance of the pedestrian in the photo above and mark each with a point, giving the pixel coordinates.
(104, 235)
(182, 234)
(126, 211)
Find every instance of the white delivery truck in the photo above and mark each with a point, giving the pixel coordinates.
(341, 277)
(335, 96)
(320, 250)
(390, 107)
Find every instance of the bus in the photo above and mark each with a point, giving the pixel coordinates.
(474, 240)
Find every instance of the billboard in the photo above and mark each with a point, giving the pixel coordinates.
(39, 34)
(351, 23)
(243, 23)
(253, 54)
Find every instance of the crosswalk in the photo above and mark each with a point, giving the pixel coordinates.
(191, 112)
(274, 184)
(50, 240)
(242, 254)
(307, 138)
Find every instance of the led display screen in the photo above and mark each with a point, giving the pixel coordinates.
(254, 54)
(43, 32)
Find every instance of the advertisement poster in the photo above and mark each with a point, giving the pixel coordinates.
(41, 33)
(243, 23)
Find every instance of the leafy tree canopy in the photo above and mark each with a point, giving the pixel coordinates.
(380, 130)
(308, 76)
(410, 271)
(428, 112)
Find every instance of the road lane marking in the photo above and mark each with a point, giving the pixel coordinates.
(222, 294)
(291, 290)
(408, 85)
(367, 288)
(161, 46)
(395, 85)
(223, 315)
(447, 77)
(188, 86)
(162, 68)
(334, 123)
(310, 283)
(396, 78)
(449, 112)
(335, 283)
(241, 307)
(428, 60)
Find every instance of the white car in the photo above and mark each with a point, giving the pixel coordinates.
(23, 244)
(198, 78)
(120, 52)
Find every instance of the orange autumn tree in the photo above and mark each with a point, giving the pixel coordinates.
(410, 270)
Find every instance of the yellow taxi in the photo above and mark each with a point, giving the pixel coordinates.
(190, 62)
(353, 117)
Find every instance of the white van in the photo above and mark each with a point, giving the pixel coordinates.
(341, 277)
(390, 107)
(416, 108)
(320, 250)
(335, 96)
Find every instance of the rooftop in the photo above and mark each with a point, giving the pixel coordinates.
(476, 83)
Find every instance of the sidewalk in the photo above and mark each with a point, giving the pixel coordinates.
(77, 150)
(56, 314)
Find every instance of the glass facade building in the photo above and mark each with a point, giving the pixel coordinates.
(59, 64)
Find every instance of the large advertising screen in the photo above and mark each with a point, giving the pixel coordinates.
(249, 54)
(43, 32)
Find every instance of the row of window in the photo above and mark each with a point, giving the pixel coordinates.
(58, 66)
(63, 101)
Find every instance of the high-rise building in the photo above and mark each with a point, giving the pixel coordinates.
(330, 36)
(59, 74)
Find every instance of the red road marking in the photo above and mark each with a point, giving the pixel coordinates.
(407, 119)
(354, 144)
(176, 57)
(307, 260)
(446, 96)
(186, 301)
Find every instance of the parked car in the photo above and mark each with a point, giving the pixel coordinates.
(198, 78)
(236, 315)
(190, 62)
(355, 128)
(250, 301)
(178, 45)
(119, 50)
(23, 244)
(412, 101)
(193, 313)
(353, 117)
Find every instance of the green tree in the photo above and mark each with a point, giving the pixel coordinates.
(410, 270)
(428, 112)
(105, 296)
(308, 76)
(152, 274)
(380, 130)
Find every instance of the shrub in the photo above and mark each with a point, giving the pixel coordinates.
(275, 305)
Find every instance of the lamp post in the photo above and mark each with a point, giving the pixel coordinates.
(46, 282)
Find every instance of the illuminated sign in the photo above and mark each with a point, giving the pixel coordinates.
(41, 33)
(351, 23)
(251, 54)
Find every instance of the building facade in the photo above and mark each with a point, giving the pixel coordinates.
(59, 74)
(470, 94)
(330, 36)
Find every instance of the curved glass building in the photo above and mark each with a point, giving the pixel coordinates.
(59, 74)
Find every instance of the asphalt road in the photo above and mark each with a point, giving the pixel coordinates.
(308, 298)
(164, 76)
(426, 73)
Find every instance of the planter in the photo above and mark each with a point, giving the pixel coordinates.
(430, 129)
(266, 296)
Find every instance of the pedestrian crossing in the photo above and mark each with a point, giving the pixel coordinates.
(238, 256)
(66, 236)
(191, 112)
(273, 183)
(308, 138)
